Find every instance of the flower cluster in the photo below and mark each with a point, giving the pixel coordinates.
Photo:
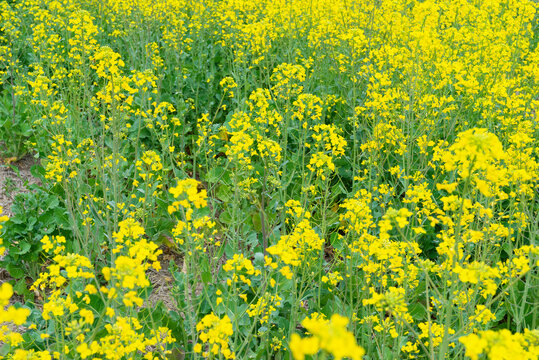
(214, 335)
(283, 159)
(502, 344)
(330, 336)
(296, 248)
(191, 225)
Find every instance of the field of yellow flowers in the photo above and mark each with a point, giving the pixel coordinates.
(313, 179)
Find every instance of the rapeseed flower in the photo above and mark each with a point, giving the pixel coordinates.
(330, 336)
(214, 335)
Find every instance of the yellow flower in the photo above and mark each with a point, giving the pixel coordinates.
(285, 271)
(214, 336)
(87, 316)
(264, 307)
(303, 346)
(501, 344)
(328, 335)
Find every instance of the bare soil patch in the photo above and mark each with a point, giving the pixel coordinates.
(14, 179)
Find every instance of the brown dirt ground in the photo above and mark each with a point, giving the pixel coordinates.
(12, 183)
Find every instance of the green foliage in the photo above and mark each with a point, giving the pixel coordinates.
(15, 128)
(36, 213)
(293, 160)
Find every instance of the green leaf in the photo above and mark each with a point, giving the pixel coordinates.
(4, 350)
(257, 223)
(31, 221)
(51, 202)
(252, 239)
(25, 129)
(336, 241)
(229, 251)
(37, 171)
(205, 271)
(24, 247)
(176, 354)
(418, 311)
(214, 175)
(61, 218)
(47, 219)
(500, 313)
(224, 193)
(17, 219)
(225, 217)
(15, 271)
(21, 287)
